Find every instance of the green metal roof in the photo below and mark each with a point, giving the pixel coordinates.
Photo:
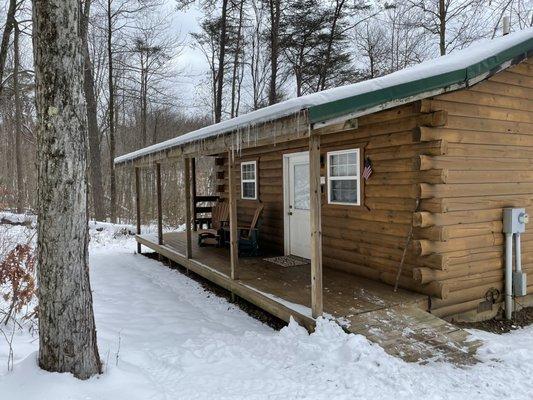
(462, 76)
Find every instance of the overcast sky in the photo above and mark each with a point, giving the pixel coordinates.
(191, 60)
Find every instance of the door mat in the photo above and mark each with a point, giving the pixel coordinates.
(288, 261)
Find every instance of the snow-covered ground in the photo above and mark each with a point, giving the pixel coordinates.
(162, 336)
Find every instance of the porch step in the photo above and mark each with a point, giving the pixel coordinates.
(408, 332)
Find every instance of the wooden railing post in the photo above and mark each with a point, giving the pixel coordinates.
(193, 195)
(234, 245)
(317, 306)
(138, 203)
(187, 179)
(159, 204)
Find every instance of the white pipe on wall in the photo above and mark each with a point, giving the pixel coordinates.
(509, 275)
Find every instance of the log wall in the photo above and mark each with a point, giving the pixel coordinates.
(366, 240)
(460, 156)
(488, 165)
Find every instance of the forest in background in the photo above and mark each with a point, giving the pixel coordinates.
(257, 53)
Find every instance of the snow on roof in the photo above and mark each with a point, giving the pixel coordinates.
(464, 64)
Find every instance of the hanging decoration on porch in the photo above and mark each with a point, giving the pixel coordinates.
(367, 171)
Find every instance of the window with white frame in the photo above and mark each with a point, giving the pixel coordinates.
(343, 177)
(249, 180)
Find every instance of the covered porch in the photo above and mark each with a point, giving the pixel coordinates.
(282, 291)
(396, 320)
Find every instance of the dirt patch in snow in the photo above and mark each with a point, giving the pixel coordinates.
(498, 325)
(247, 307)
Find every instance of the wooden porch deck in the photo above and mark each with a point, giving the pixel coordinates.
(397, 321)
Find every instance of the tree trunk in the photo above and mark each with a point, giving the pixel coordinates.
(18, 119)
(95, 164)
(112, 176)
(236, 56)
(275, 11)
(67, 334)
(442, 27)
(221, 57)
(4, 46)
(322, 79)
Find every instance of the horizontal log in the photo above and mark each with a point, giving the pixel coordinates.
(392, 114)
(502, 89)
(368, 260)
(367, 226)
(435, 148)
(488, 125)
(508, 77)
(397, 191)
(426, 275)
(360, 213)
(398, 165)
(426, 134)
(425, 247)
(468, 163)
(459, 308)
(435, 289)
(472, 293)
(523, 68)
(364, 237)
(488, 176)
(383, 127)
(466, 190)
(476, 111)
(475, 203)
(368, 140)
(426, 219)
(432, 176)
(462, 258)
(471, 96)
(488, 151)
(384, 203)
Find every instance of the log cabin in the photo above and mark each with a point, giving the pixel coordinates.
(395, 182)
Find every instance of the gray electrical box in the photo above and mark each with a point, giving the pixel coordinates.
(519, 283)
(515, 220)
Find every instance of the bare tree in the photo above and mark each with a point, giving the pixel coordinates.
(95, 164)
(370, 40)
(4, 45)
(111, 114)
(258, 65)
(453, 21)
(18, 117)
(67, 333)
(237, 54)
(274, 7)
(221, 61)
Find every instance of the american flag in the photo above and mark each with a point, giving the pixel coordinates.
(368, 169)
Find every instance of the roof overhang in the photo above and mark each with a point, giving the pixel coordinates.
(421, 88)
(292, 119)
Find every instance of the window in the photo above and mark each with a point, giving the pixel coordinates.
(343, 177)
(249, 180)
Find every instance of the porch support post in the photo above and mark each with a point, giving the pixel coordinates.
(193, 195)
(317, 307)
(234, 245)
(187, 179)
(138, 203)
(159, 204)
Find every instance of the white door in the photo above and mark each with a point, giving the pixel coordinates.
(297, 214)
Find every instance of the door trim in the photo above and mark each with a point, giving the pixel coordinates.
(286, 224)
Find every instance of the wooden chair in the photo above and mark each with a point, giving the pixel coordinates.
(249, 235)
(219, 219)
